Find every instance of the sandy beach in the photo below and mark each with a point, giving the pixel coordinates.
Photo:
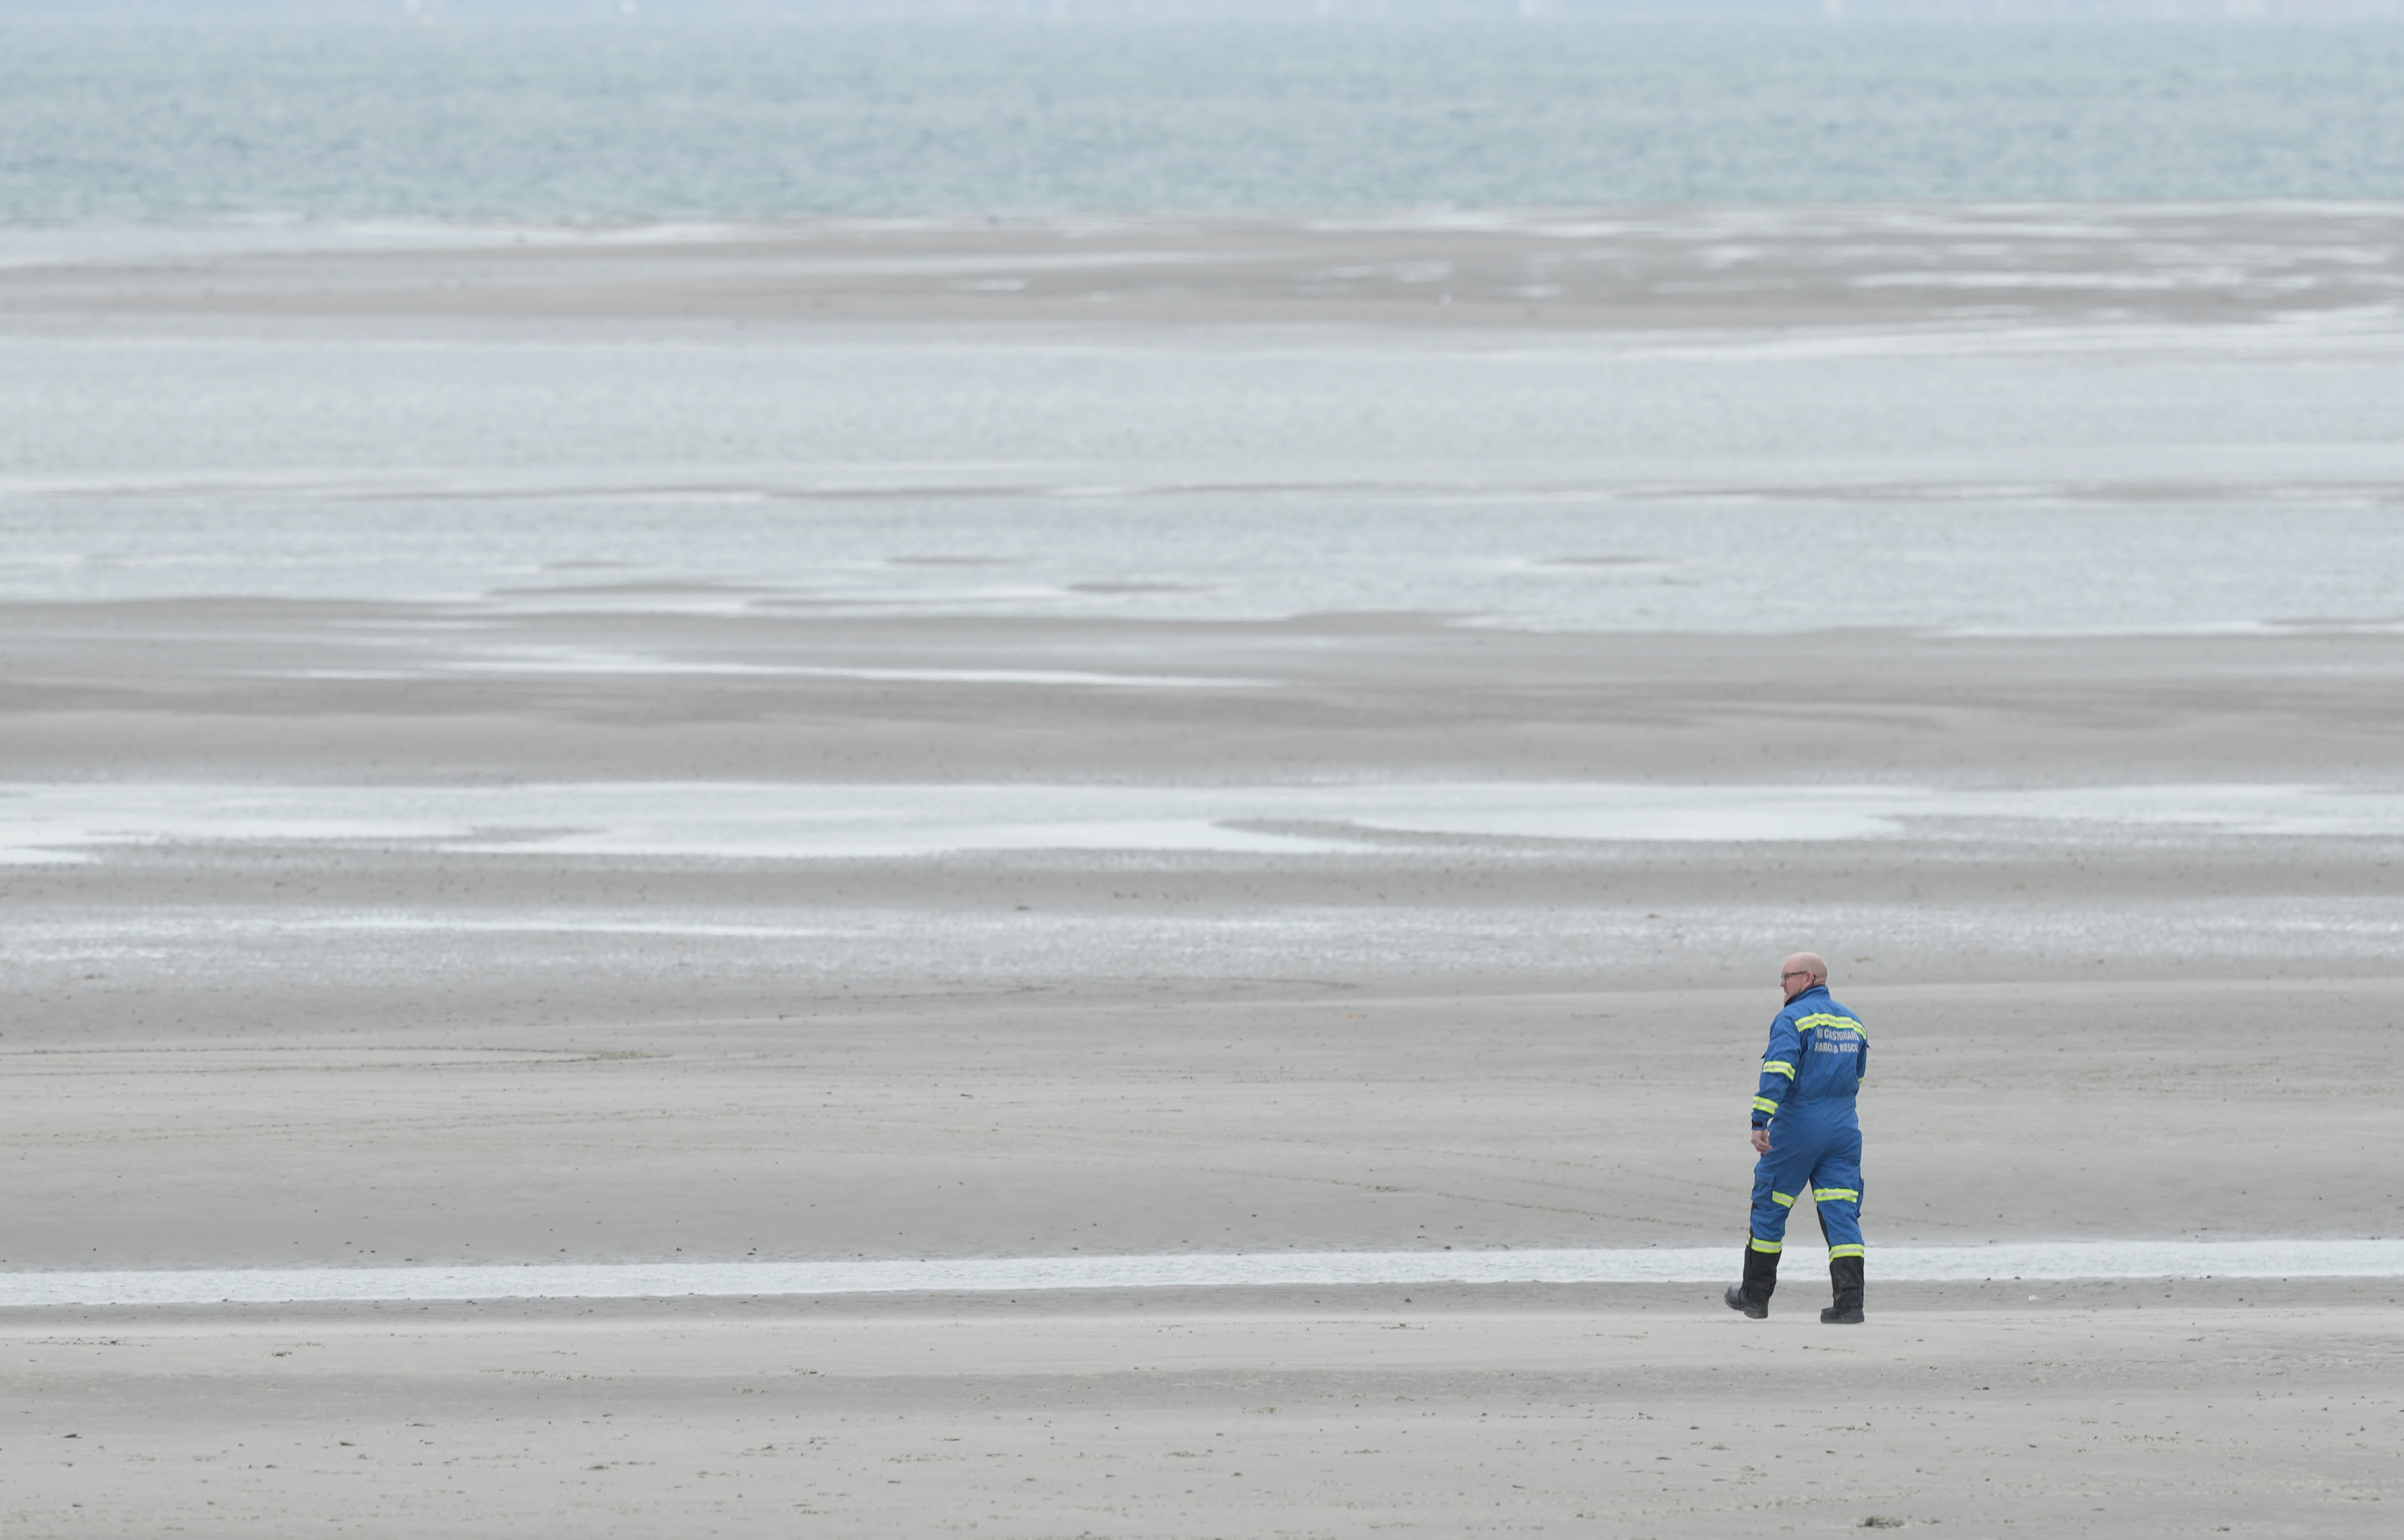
(2139, 1415)
(928, 740)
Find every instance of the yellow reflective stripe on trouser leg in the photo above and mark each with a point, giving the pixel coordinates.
(1836, 1194)
(1772, 1247)
(1784, 1200)
(1778, 1067)
(1836, 1252)
(1763, 1104)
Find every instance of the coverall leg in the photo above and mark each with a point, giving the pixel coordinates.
(1837, 1194)
(1823, 1157)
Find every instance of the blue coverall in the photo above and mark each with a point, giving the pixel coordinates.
(1810, 1076)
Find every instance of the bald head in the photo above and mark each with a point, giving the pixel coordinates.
(1801, 972)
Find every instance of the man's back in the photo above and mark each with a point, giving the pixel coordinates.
(1824, 1044)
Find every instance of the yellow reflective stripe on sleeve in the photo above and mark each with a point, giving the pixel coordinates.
(1836, 1194)
(1772, 1247)
(1778, 1067)
(1835, 1252)
(1842, 1024)
(1763, 1104)
(1784, 1200)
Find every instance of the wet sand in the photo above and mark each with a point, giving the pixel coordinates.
(286, 1040)
(359, 1119)
(1675, 267)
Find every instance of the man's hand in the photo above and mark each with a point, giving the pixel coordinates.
(1761, 1141)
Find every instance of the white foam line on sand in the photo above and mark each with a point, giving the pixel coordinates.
(564, 660)
(797, 821)
(2087, 1259)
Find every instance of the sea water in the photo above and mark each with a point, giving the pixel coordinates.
(638, 117)
(1994, 478)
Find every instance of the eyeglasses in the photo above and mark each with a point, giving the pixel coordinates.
(1795, 972)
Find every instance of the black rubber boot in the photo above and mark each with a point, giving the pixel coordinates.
(1845, 1272)
(1752, 1296)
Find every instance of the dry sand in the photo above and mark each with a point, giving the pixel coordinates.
(282, 1050)
(2152, 1412)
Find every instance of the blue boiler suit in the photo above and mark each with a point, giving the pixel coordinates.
(1817, 1058)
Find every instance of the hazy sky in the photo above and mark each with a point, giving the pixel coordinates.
(2187, 10)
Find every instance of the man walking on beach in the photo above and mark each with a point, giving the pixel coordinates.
(1806, 1132)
